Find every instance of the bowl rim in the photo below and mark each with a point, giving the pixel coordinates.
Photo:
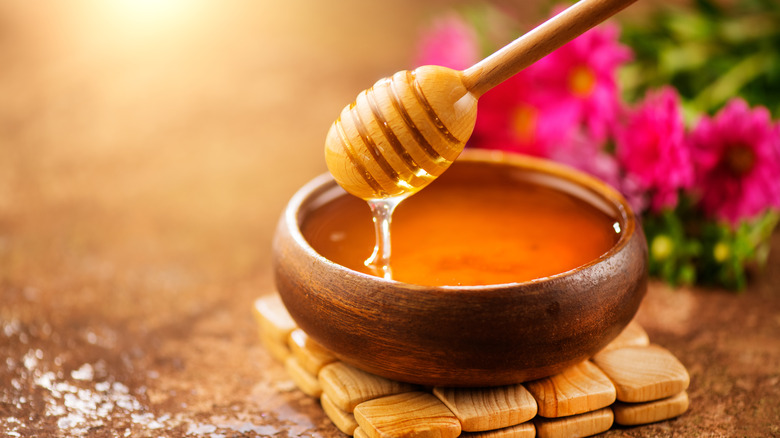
(325, 182)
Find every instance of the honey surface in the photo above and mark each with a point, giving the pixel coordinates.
(471, 226)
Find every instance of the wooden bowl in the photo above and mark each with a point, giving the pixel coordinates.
(464, 335)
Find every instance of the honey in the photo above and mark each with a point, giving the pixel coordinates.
(477, 224)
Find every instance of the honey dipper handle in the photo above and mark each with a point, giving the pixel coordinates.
(538, 43)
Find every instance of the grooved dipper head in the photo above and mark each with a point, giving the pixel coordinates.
(401, 133)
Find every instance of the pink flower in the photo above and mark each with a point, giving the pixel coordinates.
(581, 76)
(652, 148)
(511, 117)
(553, 103)
(450, 42)
(581, 154)
(737, 162)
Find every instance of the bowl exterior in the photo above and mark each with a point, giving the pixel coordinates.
(457, 336)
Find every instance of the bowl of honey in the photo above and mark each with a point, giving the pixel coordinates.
(506, 268)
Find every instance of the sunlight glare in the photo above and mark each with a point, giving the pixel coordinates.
(152, 15)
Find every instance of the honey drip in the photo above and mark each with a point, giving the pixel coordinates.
(382, 216)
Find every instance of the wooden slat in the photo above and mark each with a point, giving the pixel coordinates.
(587, 424)
(348, 386)
(482, 409)
(304, 380)
(359, 433)
(642, 374)
(344, 421)
(278, 350)
(411, 414)
(578, 389)
(525, 430)
(632, 414)
(631, 336)
(273, 318)
(311, 355)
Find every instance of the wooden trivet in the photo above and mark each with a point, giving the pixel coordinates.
(480, 409)
(630, 382)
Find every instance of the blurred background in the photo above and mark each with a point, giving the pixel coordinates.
(191, 119)
(147, 148)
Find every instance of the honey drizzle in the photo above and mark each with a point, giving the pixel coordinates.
(382, 215)
(382, 208)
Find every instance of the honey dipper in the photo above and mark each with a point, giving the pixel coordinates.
(405, 130)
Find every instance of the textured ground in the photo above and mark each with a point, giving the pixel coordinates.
(145, 155)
